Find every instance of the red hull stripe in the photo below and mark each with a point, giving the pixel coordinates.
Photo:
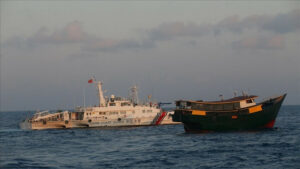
(159, 120)
(270, 124)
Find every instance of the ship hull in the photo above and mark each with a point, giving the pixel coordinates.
(232, 120)
(40, 125)
(115, 123)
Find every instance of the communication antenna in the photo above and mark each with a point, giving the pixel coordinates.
(83, 92)
(149, 97)
(244, 93)
(235, 93)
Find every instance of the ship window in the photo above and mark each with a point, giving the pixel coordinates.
(236, 105)
(249, 101)
(149, 110)
(200, 106)
(111, 113)
(112, 104)
(188, 103)
(197, 106)
(209, 107)
(143, 111)
(228, 106)
(194, 106)
(182, 105)
(123, 112)
(218, 107)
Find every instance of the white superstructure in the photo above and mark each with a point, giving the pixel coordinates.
(111, 112)
(117, 111)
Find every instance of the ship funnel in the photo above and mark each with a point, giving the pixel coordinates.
(102, 101)
(134, 95)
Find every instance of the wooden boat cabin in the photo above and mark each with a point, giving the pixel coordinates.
(223, 105)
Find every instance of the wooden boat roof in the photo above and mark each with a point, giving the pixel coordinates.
(231, 100)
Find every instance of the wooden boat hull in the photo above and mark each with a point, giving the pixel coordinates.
(250, 118)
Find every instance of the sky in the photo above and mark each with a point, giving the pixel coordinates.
(169, 49)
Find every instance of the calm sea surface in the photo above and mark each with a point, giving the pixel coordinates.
(150, 147)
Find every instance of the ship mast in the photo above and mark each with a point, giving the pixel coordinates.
(102, 102)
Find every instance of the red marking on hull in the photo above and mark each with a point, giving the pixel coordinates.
(270, 124)
(161, 117)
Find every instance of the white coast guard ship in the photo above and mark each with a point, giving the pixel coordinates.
(111, 112)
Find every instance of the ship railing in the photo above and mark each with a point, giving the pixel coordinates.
(266, 99)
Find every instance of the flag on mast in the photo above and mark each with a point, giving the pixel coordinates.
(90, 81)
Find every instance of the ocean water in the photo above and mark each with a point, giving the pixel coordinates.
(150, 147)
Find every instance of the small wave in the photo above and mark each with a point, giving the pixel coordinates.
(11, 130)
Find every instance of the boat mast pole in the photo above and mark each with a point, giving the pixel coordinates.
(83, 91)
(102, 102)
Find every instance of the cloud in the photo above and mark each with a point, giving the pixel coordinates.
(231, 23)
(107, 45)
(278, 25)
(167, 31)
(259, 42)
(283, 23)
(73, 33)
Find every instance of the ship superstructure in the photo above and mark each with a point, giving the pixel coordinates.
(118, 111)
(111, 112)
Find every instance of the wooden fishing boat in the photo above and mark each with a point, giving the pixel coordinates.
(238, 113)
